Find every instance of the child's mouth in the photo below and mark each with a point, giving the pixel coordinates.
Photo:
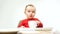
(31, 16)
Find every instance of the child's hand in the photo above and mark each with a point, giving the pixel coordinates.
(39, 24)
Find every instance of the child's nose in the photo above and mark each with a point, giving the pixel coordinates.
(31, 13)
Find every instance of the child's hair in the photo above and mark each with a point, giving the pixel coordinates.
(29, 5)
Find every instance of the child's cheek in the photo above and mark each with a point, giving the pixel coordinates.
(28, 14)
(33, 14)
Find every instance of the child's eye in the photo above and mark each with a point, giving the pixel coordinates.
(33, 11)
(28, 11)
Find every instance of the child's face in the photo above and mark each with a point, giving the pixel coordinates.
(30, 12)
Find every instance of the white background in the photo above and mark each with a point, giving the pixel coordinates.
(12, 11)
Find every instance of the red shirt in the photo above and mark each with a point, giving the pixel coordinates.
(25, 23)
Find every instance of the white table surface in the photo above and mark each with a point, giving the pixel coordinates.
(28, 30)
